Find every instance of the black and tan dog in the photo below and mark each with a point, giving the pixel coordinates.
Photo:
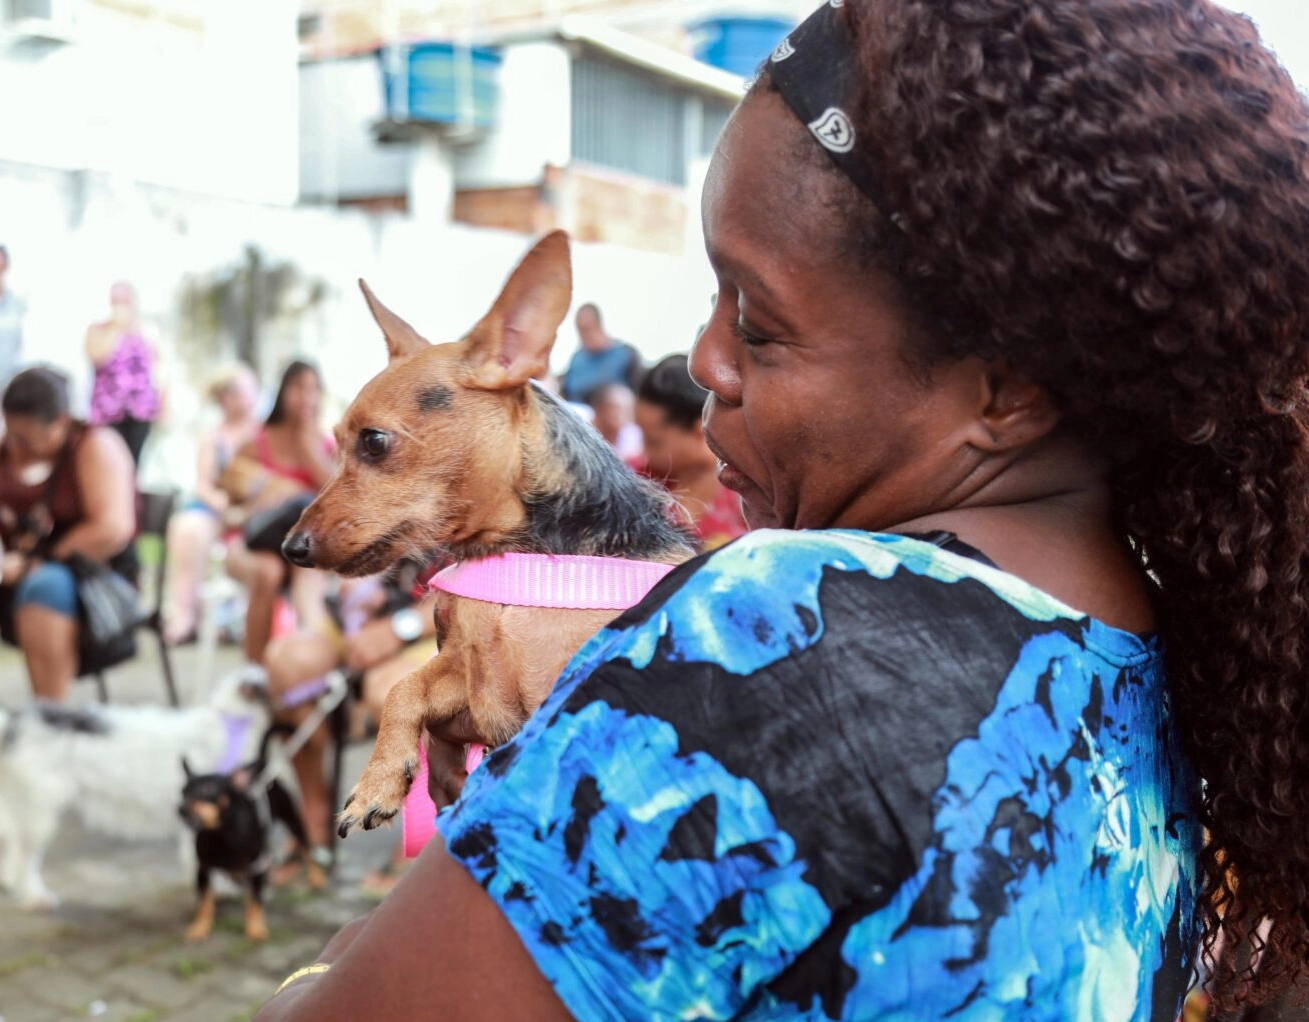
(233, 816)
(453, 450)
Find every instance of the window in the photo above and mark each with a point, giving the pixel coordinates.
(629, 121)
(712, 121)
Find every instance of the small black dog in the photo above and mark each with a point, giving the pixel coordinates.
(232, 816)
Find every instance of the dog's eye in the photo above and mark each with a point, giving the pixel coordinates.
(373, 444)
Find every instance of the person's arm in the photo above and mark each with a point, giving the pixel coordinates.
(106, 480)
(317, 455)
(438, 948)
(377, 641)
(100, 338)
(206, 473)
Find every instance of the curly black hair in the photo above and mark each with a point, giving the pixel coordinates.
(1112, 196)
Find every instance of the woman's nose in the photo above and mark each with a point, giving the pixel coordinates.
(714, 361)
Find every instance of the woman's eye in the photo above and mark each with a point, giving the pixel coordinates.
(373, 443)
(747, 338)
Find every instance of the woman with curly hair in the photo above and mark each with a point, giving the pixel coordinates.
(1001, 712)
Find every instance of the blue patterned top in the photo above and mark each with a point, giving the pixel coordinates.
(833, 775)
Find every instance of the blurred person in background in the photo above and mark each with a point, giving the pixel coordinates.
(669, 406)
(600, 360)
(125, 394)
(278, 471)
(204, 519)
(66, 488)
(12, 310)
(613, 413)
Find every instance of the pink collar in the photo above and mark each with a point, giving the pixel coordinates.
(552, 580)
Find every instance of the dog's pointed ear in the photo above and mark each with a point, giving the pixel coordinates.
(186, 768)
(511, 345)
(401, 338)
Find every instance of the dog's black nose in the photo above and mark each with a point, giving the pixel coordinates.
(295, 548)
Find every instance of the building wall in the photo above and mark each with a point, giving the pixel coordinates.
(340, 159)
(184, 94)
(76, 233)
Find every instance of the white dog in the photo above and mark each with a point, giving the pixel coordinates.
(118, 767)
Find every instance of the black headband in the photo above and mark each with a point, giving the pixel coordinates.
(816, 70)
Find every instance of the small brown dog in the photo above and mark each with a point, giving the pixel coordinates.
(453, 450)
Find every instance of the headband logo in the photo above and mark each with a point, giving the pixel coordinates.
(834, 130)
(784, 50)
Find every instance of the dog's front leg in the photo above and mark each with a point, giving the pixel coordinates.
(256, 926)
(203, 923)
(433, 692)
(34, 895)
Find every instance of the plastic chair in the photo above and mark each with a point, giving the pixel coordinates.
(154, 509)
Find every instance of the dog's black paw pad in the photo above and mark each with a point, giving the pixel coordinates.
(411, 770)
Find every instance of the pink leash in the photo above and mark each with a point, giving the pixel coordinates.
(527, 580)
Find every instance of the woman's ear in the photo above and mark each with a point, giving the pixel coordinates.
(1012, 410)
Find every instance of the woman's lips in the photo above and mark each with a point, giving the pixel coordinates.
(728, 474)
(731, 477)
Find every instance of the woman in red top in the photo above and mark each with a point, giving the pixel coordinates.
(288, 458)
(65, 488)
(668, 409)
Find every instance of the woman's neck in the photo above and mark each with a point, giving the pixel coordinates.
(1048, 518)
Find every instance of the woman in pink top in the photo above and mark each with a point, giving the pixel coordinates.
(124, 396)
(289, 457)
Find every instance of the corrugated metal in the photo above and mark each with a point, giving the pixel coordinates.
(628, 121)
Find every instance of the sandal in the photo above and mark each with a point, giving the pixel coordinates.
(380, 882)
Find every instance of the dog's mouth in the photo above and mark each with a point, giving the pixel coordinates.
(369, 561)
(200, 815)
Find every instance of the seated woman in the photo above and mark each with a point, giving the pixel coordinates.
(669, 406)
(385, 634)
(1001, 708)
(282, 466)
(65, 488)
(198, 524)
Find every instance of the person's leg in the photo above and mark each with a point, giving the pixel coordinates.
(309, 596)
(292, 661)
(45, 622)
(192, 533)
(267, 573)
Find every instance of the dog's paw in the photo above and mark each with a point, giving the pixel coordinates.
(199, 931)
(42, 900)
(370, 806)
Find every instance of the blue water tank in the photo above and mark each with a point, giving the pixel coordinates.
(441, 83)
(738, 44)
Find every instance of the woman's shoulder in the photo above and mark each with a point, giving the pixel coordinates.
(769, 564)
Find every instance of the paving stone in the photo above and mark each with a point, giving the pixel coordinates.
(56, 987)
(14, 1012)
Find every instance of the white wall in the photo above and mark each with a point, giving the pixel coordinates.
(340, 101)
(534, 125)
(209, 109)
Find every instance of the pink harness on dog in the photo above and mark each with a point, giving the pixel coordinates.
(564, 582)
